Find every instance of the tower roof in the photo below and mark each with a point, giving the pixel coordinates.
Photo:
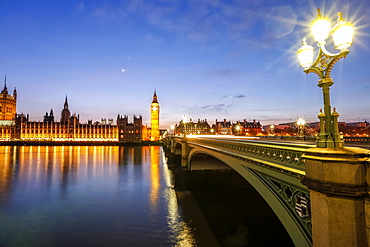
(5, 90)
(155, 97)
(66, 103)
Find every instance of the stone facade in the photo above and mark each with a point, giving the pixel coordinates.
(18, 126)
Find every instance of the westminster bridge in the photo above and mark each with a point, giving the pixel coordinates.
(319, 194)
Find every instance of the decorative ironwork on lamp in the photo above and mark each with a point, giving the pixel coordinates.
(342, 34)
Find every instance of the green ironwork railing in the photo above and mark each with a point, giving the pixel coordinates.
(286, 157)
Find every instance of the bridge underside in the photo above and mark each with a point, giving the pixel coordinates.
(281, 191)
(206, 162)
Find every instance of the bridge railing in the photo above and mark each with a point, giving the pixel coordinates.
(286, 157)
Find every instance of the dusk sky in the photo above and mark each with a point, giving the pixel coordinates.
(207, 59)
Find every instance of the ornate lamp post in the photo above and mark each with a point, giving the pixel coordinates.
(301, 123)
(237, 129)
(342, 32)
(172, 129)
(272, 129)
(184, 121)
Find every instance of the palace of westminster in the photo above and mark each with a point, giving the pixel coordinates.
(15, 126)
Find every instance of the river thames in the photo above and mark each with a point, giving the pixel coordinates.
(112, 196)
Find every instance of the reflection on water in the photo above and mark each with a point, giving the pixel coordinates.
(88, 196)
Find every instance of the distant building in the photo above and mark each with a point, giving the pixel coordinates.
(8, 104)
(49, 118)
(19, 127)
(68, 129)
(246, 128)
(201, 127)
(154, 118)
(66, 114)
(8, 109)
(146, 133)
(358, 124)
(223, 127)
(129, 132)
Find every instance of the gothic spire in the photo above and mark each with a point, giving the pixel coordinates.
(66, 104)
(5, 90)
(155, 96)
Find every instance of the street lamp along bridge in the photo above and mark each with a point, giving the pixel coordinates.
(329, 136)
(335, 175)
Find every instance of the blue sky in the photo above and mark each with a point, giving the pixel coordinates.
(207, 59)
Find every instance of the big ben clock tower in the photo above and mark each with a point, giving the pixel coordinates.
(154, 118)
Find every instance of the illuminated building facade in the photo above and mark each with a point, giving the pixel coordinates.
(129, 132)
(146, 133)
(240, 128)
(8, 109)
(68, 129)
(8, 104)
(201, 127)
(18, 126)
(245, 128)
(66, 114)
(154, 118)
(223, 127)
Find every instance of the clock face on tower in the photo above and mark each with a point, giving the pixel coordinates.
(154, 108)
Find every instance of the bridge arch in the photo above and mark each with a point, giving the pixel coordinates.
(203, 161)
(248, 172)
(178, 148)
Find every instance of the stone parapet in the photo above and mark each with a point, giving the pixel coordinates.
(338, 184)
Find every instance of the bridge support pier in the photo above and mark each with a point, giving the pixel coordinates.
(184, 153)
(172, 146)
(336, 178)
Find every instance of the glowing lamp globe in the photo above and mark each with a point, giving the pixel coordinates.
(184, 119)
(301, 122)
(320, 28)
(305, 55)
(342, 33)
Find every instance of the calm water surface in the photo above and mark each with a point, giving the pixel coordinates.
(88, 196)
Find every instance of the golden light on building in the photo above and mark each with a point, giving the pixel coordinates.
(8, 104)
(154, 118)
(18, 127)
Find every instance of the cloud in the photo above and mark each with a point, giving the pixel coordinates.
(225, 72)
(215, 108)
(196, 21)
(238, 96)
(108, 13)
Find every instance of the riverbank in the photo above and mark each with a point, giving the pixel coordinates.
(78, 143)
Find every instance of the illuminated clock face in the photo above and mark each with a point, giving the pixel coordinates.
(154, 108)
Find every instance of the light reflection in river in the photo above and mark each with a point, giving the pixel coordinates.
(180, 231)
(88, 196)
